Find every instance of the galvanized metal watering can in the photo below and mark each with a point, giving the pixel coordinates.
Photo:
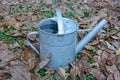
(58, 36)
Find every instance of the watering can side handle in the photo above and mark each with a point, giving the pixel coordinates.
(30, 44)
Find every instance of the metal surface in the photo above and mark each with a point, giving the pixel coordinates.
(63, 46)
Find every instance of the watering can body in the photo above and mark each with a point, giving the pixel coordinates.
(62, 47)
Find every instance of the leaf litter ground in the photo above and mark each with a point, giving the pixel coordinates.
(99, 60)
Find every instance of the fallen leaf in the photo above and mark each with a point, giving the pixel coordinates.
(44, 61)
(84, 60)
(112, 57)
(109, 45)
(111, 33)
(18, 25)
(92, 24)
(2, 76)
(118, 34)
(81, 71)
(117, 51)
(32, 37)
(93, 43)
(104, 47)
(35, 77)
(105, 55)
(74, 70)
(19, 72)
(34, 18)
(89, 47)
(99, 52)
(86, 52)
(31, 64)
(47, 2)
(25, 55)
(97, 58)
(118, 62)
(7, 57)
(115, 37)
(116, 44)
(111, 69)
(99, 75)
(117, 75)
(14, 33)
(9, 21)
(30, 58)
(110, 77)
(102, 64)
(16, 63)
(61, 72)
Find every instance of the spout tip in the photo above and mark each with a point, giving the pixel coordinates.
(104, 20)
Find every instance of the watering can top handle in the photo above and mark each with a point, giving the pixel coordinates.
(30, 44)
(60, 22)
(57, 13)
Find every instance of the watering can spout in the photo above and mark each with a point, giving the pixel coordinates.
(89, 36)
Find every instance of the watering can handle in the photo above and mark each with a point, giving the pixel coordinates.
(30, 44)
(58, 15)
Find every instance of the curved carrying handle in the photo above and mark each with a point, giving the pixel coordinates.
(58, 15)
(30, 44)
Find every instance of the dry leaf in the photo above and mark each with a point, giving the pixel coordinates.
(6, 57)
(81, 71)
(112, 57)
(34, 18)
(89, 47)
(25, 55)
(93, 43)
(110, 77)
(31, 64)
(118, 62)
(118, 34)
(61, 72)
(117, 75)
(99, 75)
(35, 77)
(20, 73)
(84, 60)
(86, 52)
(111, 69)
(105, 55)
(115, 37)
(74, 71)
(9, 21)
(104, 47)
(118, 51)
(30, 58)
(18, 25)
(111, 33)
(4, 75)
(14, 33)
(99, 52)
(116, 44)
(109, 45)
(32, 37)
(16, 63)
(44, 61)
(47, 2)
(97, 58)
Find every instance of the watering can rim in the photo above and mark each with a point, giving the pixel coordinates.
(54, 19)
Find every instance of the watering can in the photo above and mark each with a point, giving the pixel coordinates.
(58, 36)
